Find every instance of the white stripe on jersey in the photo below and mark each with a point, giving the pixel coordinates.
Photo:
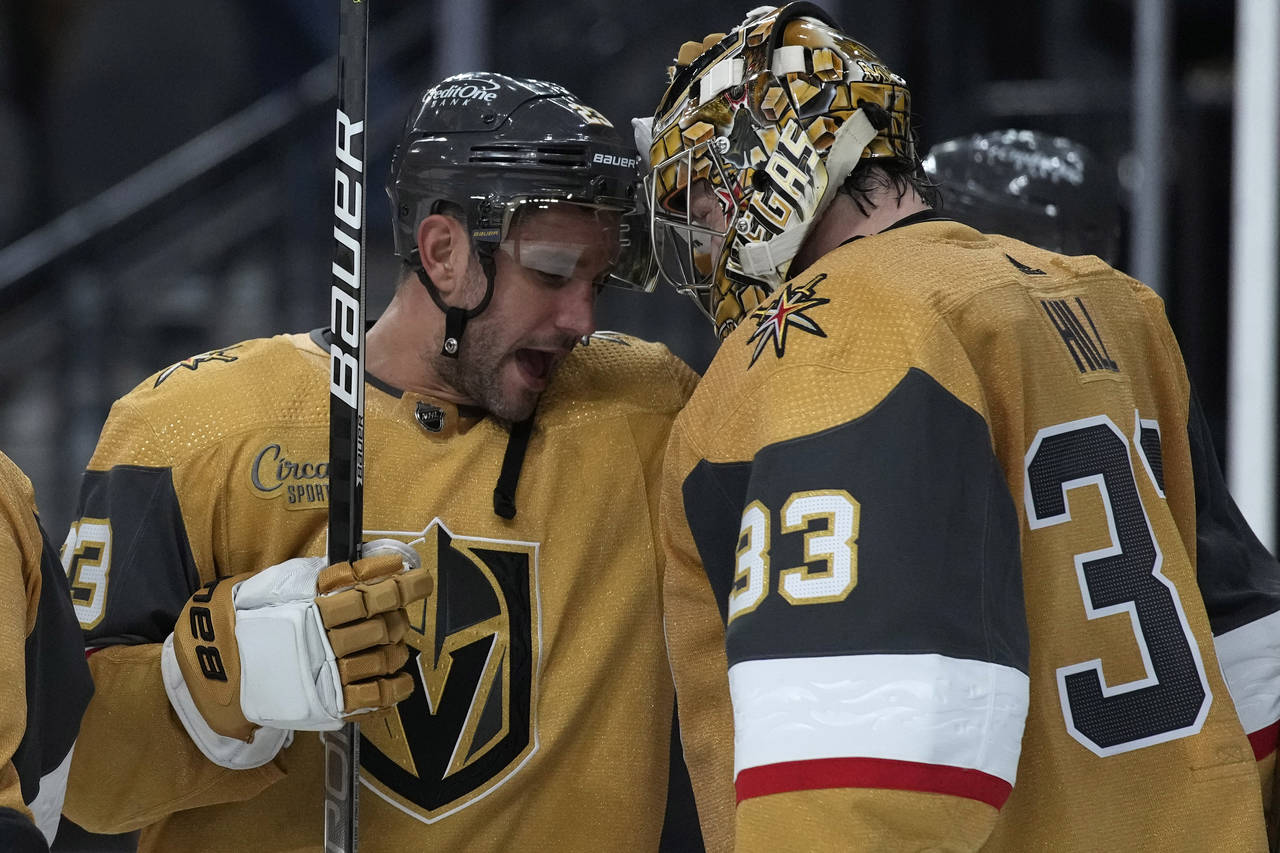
(46, 808)
(909, 707)
(1250, 660)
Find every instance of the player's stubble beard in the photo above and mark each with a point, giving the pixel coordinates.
(482, 358)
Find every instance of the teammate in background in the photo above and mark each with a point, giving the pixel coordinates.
(46, 682)
(935, 516)
(1042, 189)
(519, 467)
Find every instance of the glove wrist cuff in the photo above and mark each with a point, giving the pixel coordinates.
(261, 745)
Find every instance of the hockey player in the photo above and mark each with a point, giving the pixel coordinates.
(46, 682)
(936, 514)
(520, 471)
(1046, 190)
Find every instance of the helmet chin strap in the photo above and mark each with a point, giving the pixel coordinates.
(768, 260)
(455, 320)
(455, 317)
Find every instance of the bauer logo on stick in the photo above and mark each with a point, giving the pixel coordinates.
(345, 294)
(346, 385)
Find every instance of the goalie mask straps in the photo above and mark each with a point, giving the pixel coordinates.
(504, 494)
(455, 317)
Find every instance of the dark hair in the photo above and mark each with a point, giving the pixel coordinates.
(889, 173)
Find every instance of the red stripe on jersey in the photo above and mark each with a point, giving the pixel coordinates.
(1264, 741)
(871, 773)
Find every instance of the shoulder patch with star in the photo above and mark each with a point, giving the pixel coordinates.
(774, 320)
(196, 360)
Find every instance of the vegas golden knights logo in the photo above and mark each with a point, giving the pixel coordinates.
(469, 725)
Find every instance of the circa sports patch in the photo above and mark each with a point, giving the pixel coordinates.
(300, 477)
(787, 311)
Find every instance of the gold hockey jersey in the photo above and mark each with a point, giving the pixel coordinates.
(543, 704)
(45, 681)
(933, 521)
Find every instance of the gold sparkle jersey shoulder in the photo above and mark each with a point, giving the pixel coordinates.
(196, 403)
(968, 503)
(618, 374)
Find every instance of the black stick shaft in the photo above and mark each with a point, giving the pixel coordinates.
(346, 385)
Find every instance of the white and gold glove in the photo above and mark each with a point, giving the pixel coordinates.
(301, 645)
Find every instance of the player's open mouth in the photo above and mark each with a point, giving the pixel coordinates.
(536, 365)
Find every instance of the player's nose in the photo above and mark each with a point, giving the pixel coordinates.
(576, 309)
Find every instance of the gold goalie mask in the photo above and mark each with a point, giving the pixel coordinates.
(756, 133)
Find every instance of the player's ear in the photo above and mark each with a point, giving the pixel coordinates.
(444, 250)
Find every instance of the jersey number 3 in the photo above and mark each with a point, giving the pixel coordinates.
(86, 558)
(1173, 699)
(835, 547)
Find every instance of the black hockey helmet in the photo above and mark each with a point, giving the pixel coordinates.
(490, 144)
(1045, 190)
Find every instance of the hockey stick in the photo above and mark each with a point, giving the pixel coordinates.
(346, 387)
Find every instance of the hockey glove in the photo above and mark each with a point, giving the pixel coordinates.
(301, 645)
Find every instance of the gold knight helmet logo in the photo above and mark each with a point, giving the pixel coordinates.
(469, 725)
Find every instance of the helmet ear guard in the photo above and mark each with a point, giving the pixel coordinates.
(773, 117)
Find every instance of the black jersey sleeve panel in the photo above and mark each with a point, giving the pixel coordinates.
(1238, 578)
(713, 503)
(681, 832)
(1149, 442)
(58, 681)
(152, 572)
(19, 835)
(938, 566)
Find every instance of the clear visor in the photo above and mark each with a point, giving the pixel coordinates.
(611, 247)
(692, 212)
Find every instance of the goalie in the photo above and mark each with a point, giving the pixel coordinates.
(950, 562)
